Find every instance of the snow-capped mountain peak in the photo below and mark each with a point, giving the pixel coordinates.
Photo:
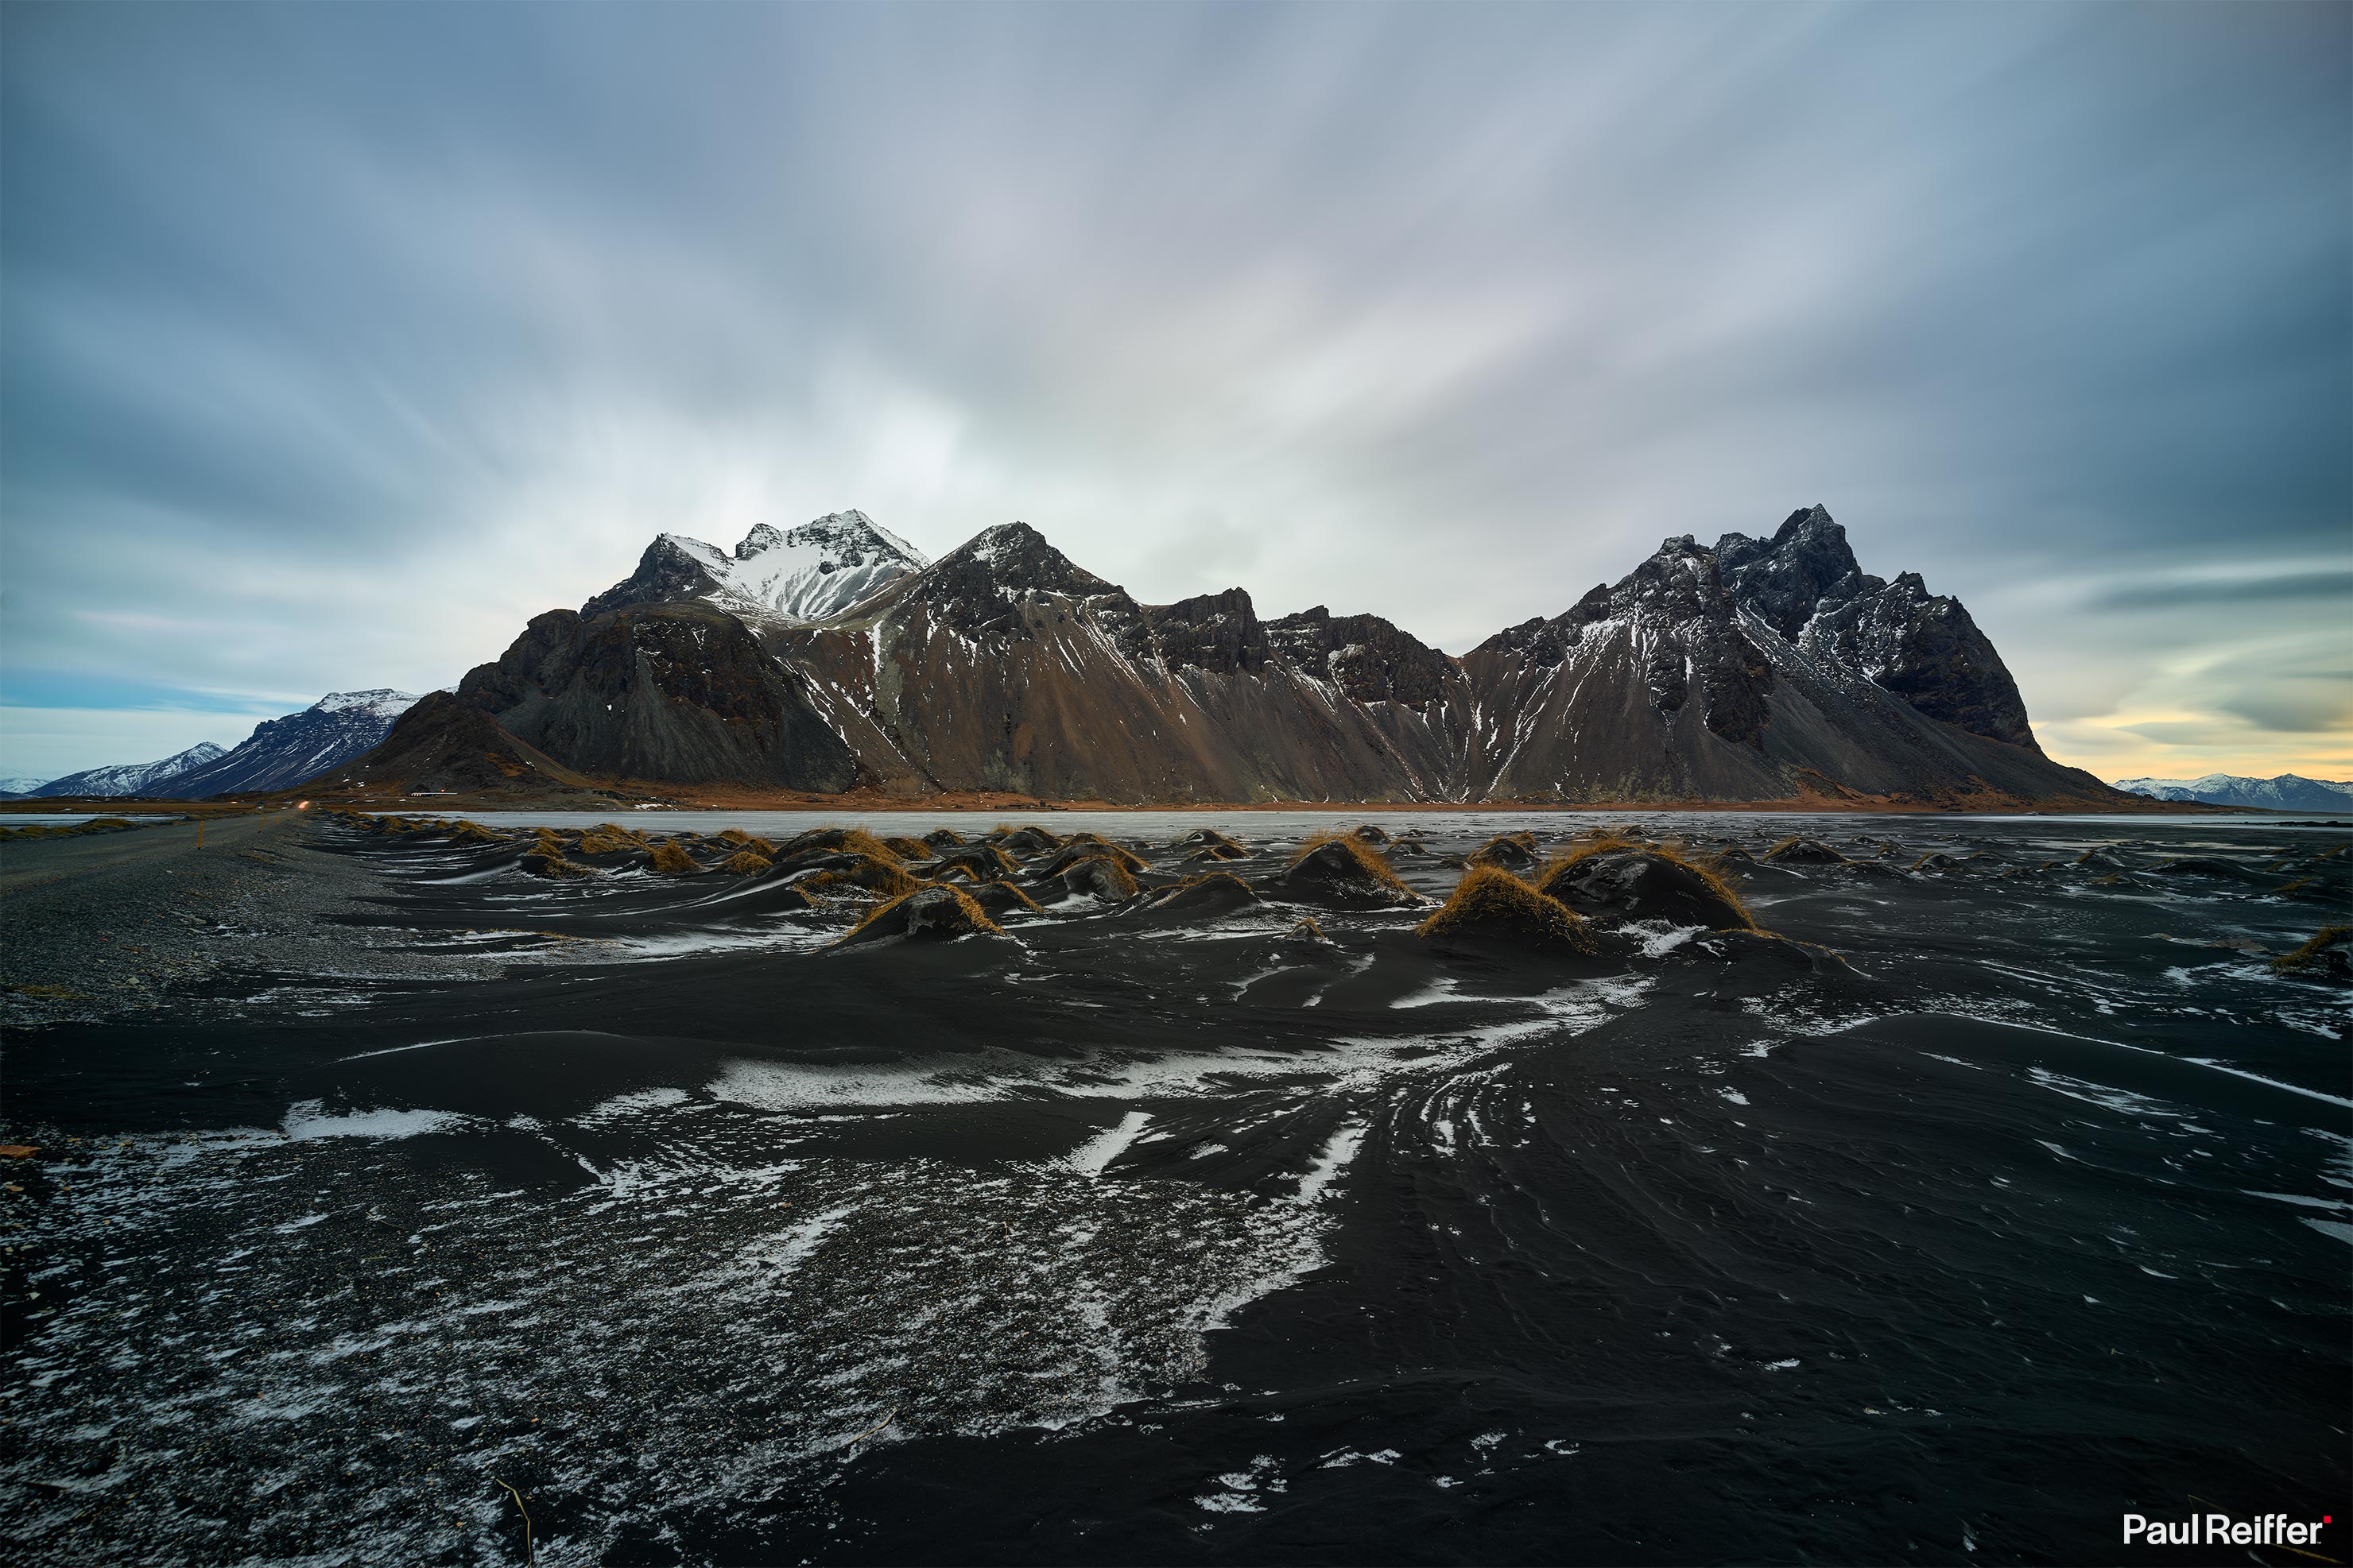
(379, 702)
(794, 575)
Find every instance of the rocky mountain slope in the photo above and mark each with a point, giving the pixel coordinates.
(283, 752)
(132, 778)
(2288, 792)
(775, 576)
(1757, 669)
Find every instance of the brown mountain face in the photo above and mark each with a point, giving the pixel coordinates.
(680, 693)
(1759, 669)
(1004, 666)
(448, 746)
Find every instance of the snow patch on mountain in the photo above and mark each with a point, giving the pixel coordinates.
(792, 575)
(132, 778)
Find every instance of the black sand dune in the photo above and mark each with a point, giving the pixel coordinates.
(1948, 1217)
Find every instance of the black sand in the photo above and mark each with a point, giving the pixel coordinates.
(2006, 1198)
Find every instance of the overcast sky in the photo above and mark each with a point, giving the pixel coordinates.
(337, 341)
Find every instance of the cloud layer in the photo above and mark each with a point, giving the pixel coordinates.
(343, 339)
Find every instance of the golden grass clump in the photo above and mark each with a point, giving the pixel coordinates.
(602, 839)
(942, 839)
(466, 831)
(1491, 905)
(1355, 850)
(2316, 954)
(952, 914)
(908, 848)
(745, 863)
(555, 867)
(883, 878)
(670, 861)
(840, 840)
(1305, 930)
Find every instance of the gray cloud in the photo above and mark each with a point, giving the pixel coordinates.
(342, 339)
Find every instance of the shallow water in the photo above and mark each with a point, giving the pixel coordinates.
(1134, 1241)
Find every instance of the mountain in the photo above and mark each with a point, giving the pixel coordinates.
(662, 691)
(1755, 669)
(1005, 666)
(18, 788)
(446, 745)
(132, 778)
(283, 752)
(2288, 792)
(787, 577)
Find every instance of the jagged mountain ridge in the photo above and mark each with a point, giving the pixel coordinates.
(2286, 792)
(789, 576)
(1759, 669)
(1005, 666)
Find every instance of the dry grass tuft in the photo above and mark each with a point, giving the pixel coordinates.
(840, 840)
(745, 863)
(1490, 904)
(908, 848)
(2316, 954)
(883, 878)
(669, 861)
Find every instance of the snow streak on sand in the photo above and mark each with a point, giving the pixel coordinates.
(360, 1343)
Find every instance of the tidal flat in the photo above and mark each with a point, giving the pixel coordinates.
(1957, 1188)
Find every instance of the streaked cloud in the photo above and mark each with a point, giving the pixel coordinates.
(341, 340)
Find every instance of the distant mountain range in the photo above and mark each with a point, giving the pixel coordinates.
(834, 656)
(130, 778)
(279, 755)
(2288, 792)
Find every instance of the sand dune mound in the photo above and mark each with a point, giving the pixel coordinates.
(934, 914)
(1000, 899)
(1636, 883)
(1492, 908)
(1339, 871)
(1510, 851)
(554, 867)
(1024, 840)
(1204, 896)
(1804, 852)
(983, 862)
(1099, 877)
(838, 840)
